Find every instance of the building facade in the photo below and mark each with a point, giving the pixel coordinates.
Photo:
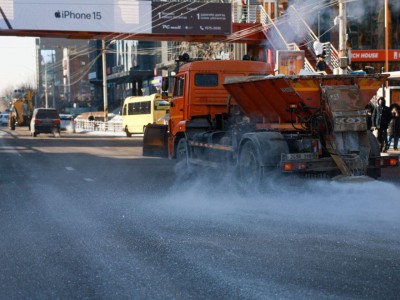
(63, 74)
(129, 70)
(71, 72)
(366, 34)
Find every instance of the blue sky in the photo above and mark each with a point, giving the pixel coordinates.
(17, 62)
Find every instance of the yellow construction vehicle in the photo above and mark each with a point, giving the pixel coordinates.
(21, 109)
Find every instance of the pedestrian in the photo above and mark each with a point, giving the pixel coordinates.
(321, 64)
(244, 11)
(91, 121)
(369, 108)
(318, 48)
(393, 131)
(380, 120)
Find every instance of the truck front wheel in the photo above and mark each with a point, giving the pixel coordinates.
(250, 169)
(183, 167)
(182, 151)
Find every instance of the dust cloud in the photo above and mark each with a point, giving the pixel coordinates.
(370, 205)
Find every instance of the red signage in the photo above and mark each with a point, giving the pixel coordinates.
(374, 55)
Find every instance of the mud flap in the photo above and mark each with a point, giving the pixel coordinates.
(155, 140)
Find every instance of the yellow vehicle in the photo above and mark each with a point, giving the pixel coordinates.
(139, 111)
(21, 109)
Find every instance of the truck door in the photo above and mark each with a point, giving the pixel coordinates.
(176, 112)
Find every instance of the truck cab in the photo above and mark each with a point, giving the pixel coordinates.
(199, 100)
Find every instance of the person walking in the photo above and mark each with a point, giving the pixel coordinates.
(318, 48)
(370, 109)
(321, 64)
(91, 121)
(380, 120)
(393, 131)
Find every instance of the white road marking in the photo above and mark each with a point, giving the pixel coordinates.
(70, 168)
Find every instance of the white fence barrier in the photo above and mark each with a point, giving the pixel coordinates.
(110, 126)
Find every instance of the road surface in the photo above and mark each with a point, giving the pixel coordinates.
(87, 217)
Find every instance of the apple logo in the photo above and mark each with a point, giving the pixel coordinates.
(57, 14)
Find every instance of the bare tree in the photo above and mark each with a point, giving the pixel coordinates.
(6, 98)
(206, 51)
(8, 94)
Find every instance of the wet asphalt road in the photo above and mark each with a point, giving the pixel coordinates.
(87, 217)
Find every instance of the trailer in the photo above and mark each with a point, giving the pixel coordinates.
(302, 124)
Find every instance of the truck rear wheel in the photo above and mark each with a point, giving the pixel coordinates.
(250, 169)
(375, 151)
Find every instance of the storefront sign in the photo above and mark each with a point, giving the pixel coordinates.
(374, 55)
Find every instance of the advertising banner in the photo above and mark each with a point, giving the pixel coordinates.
(192, 18)
(122, 16)
(89, 15)
(290, 62)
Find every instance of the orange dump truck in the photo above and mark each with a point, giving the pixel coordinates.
(236, 113)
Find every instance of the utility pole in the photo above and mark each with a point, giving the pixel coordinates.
(67, 74)
(53, 53)
(103, 50)
(45, 87)
(386, 36)
(38, 65)
(343, 58)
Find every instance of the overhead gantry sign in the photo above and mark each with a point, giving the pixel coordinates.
(108, 19)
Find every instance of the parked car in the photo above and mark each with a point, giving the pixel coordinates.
(67, 122)
(4, 119)
(45, 120)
